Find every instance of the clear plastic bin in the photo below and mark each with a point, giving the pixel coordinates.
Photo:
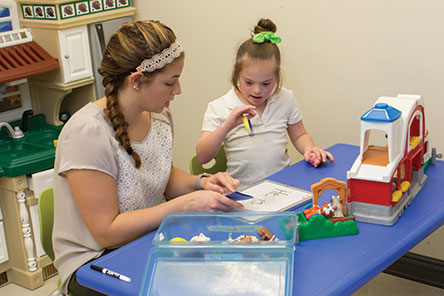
(222, 266)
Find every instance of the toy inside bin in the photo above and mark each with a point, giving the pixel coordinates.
(223, 265)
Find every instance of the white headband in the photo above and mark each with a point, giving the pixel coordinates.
(159, 61)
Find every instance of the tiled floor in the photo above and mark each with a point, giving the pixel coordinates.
(381, 285)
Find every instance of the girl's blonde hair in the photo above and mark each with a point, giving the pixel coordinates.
(250, 51)
(126, 49)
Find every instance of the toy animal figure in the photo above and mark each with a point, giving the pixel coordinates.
(311, 210)
(336, 204)
(327, 210)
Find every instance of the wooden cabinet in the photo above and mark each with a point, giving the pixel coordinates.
(72, 86)
(75, 56)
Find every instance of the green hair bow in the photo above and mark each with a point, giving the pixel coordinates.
(270, 36)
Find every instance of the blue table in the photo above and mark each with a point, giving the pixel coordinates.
(329, 266)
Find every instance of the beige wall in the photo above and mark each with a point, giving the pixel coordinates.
(338, 57)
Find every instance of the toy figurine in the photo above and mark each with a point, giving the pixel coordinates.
(329, 220)
(337, 206)
(266, 234)
(311, 210)
(327, 210)
(178, 239)
(200, 238)
(242, 238)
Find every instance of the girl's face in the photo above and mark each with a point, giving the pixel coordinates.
(162, 89)
(257, 80)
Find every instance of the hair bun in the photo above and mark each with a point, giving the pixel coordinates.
(265, 25)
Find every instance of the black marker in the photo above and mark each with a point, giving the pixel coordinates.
(111, 273)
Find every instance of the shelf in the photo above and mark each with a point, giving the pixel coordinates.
(53, 13)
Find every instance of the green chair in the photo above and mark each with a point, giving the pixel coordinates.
(46, 218)
(220, 164)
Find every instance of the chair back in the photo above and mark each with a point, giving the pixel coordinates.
(46, 218)
(220, 164)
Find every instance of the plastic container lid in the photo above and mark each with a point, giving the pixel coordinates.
(177, 230)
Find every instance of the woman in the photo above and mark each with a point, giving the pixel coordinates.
(114, 178)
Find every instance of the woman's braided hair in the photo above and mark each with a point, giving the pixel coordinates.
(126, 49)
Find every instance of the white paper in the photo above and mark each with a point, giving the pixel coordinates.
(272, 196)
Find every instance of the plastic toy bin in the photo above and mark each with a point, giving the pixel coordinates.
(220, 266)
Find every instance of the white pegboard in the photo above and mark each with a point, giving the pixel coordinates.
(40, 181)
(3, 248)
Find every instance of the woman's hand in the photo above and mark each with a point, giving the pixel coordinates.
(221, 182)
(316, 156)
(210, 201)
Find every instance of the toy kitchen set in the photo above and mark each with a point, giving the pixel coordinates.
(49, 55)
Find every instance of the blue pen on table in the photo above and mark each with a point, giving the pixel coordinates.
(238, 196)
(111, 273)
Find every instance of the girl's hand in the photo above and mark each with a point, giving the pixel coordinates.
(316, 156)
(221, 182)
(236, 116)
(210, 201)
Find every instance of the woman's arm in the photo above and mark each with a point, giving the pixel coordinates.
(181, 183)
(95, 195)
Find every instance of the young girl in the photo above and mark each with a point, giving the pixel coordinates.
(114, 177)
(273, 112)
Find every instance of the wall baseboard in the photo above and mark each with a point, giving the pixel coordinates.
(422, 269)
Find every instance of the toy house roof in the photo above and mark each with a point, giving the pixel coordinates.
(20, 57)
(381, 112)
